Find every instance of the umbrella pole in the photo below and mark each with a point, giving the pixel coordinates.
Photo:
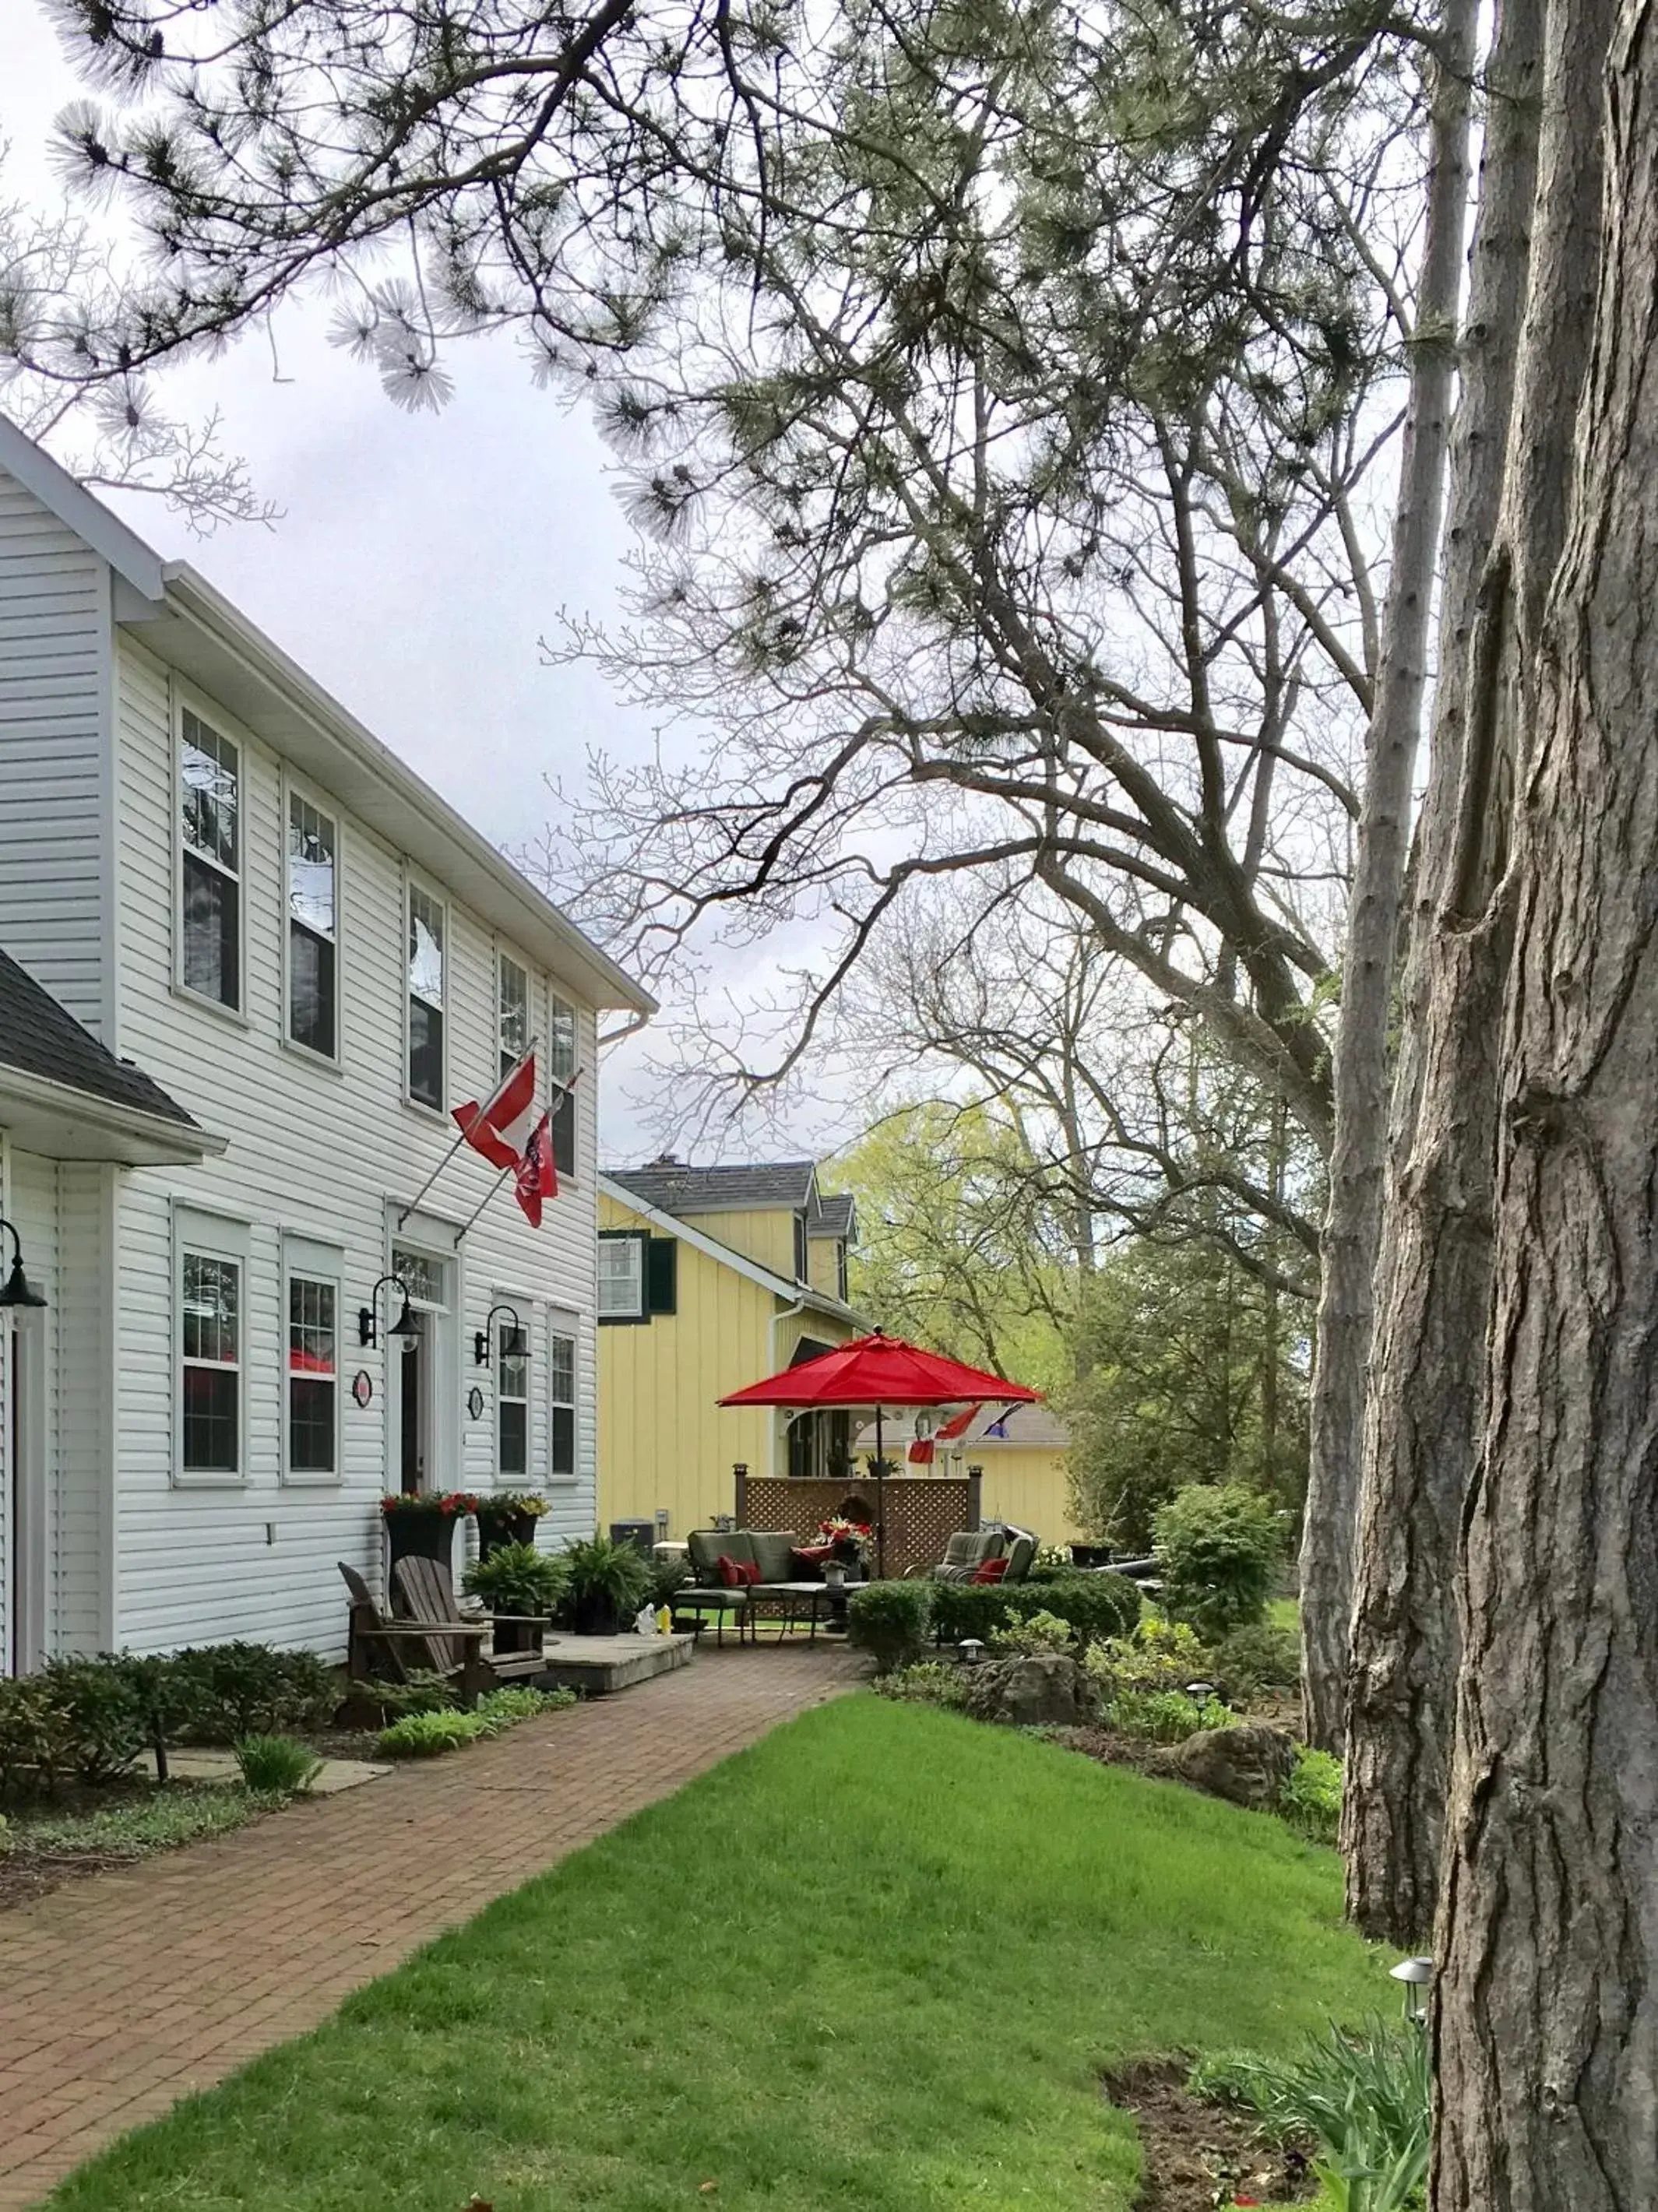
(880, 1502)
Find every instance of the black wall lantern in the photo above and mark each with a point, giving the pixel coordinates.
(512, 1348)
(405, 1324)
(17, 1290)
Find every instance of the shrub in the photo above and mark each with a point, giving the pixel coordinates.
(228, 1691)
(423, 1735)
(1364, 2096)
(501, 1707)
(668, 1578)
(36, 1734)
(602, 1578)
(1311, 1799)
(1164, 1716)
(1037, 1631)
(422, 1691)
(105, 1715)
(890, 1620)
(1161, 1654)
(1218, 1546)
(929, 1682)
(276, 1765)
(519, 1579)
(1262, 1658)
(1094, 1605)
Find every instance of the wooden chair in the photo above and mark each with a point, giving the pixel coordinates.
(423, 1594)
(382, 1650)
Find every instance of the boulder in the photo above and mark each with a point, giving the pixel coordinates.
(1043, 1689)
(1246, 1766)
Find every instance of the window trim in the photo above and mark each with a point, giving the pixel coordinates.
(561, 1322)
(641, 1238)
(303, 1259)
(525, 1309)
(294, 786)
(183, 697)
(506, 953)
(209, 1237)
(414, 882)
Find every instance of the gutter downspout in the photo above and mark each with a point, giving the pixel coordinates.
(790, 1313)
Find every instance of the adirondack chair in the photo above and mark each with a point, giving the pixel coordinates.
(423, 1594)
(382, 1650)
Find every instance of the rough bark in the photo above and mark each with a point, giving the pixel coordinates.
(1353, 1221)
(1427, 1377)
(1546, 2026)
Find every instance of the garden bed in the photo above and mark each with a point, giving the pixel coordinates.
(1198, 2155)
(89, 1830)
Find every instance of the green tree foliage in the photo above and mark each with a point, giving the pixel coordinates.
(1218, 1546)
(1191, 1369)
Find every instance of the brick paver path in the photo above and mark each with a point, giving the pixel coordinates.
(122, 1992)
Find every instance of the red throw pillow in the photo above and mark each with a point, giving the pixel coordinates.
(731, 1573)
(748, 1571)
(990, 1571)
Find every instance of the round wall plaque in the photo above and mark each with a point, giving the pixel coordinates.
(362, 1386)
(475, 1402)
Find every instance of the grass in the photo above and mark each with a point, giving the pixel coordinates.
(874, 1964)
(177, 1815)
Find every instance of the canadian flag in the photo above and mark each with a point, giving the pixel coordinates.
(503, 1127)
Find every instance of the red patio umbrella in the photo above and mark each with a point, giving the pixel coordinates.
(879, 1370)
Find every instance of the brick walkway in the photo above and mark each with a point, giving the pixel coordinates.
(120, 1993)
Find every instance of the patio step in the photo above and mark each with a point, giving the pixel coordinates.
(598, 1665)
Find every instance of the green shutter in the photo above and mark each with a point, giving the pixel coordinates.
(662, 1274)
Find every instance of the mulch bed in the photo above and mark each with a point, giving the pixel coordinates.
(1198, 2155)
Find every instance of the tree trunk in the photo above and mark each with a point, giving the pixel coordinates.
(1427, 1379)
(1353, 1222)
(1547, 2018)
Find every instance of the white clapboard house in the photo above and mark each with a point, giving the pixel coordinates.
(252, 962)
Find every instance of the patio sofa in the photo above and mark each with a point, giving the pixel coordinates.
(967, 1551)
(784, 1576)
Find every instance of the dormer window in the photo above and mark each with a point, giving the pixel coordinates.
(801, 1268)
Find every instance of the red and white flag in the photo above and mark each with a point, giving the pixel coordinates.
(538, 1178)
(503, 1127)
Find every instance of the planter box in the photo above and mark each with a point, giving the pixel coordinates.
(422, 1536)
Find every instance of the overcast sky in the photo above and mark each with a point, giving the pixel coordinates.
(419, 558)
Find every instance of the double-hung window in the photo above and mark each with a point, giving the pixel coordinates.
(426, 937)
(561, 1063)
(209, 863)
(561, 1401)
(313, 929)
(513, 1011)
(313, 1375)
(621, 1275)
(210, 1379)
(512, 1399)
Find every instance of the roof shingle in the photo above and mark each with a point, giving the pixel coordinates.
(674, 1189)
(39, 1037)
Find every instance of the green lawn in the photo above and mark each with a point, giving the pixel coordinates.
(874, 1964)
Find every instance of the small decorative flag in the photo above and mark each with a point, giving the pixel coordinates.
(538, 1178)
(998, 1427)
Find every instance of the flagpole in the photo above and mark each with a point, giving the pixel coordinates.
(464, 1136)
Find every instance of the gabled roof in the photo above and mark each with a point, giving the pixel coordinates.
(1029, 1428)
(837, 1216)
(56, 1076)
(192, 627)
(683, 1190)
(797, 1296)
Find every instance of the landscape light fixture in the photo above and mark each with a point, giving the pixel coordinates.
(970, 1650)
(17, 1291)
(405, 1325)
(512, 1346)
(1415, 1974)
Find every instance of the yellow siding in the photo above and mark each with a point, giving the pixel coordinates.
(767, 1236)
(1026, 1483)
(664, 1444)
(823, 1265)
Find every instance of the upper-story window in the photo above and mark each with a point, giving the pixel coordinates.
(313, 927)
(802, 1268)
(561, 1063)
(210, 874)
(426, 936)
(513, 1011)
(840, 1271)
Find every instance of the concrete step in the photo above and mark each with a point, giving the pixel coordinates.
(598, 1665)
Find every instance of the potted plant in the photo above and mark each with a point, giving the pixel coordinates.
(521, 1586)
(850, 1546)
(507, 1516)
(420, 1524)
(606, 1584)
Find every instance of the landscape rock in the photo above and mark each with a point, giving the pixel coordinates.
(1246, 1766)
(1044, 1689)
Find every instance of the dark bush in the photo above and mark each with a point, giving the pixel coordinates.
(890, 1620)
(1218, 1544)
(37, 1740)
(1262, 1658)
(227, 1691)
(106, 1716)
(1094, 1605)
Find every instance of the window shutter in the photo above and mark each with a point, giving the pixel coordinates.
(662, 1275)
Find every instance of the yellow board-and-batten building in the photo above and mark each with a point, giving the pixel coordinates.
(710, 1278)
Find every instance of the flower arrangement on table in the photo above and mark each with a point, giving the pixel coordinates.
(851, 1542)
(447, 1504)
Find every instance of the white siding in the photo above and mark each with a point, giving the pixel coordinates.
(83, 1374)
(54, 687)
(318, 1153)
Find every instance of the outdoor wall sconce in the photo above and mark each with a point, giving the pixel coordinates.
(368, 1331)
(970, 1650)
(17, 1290)
(1415, 1974)
(512, 1348)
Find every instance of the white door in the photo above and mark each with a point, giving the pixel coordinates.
(422, 1453)
(22, 1500)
